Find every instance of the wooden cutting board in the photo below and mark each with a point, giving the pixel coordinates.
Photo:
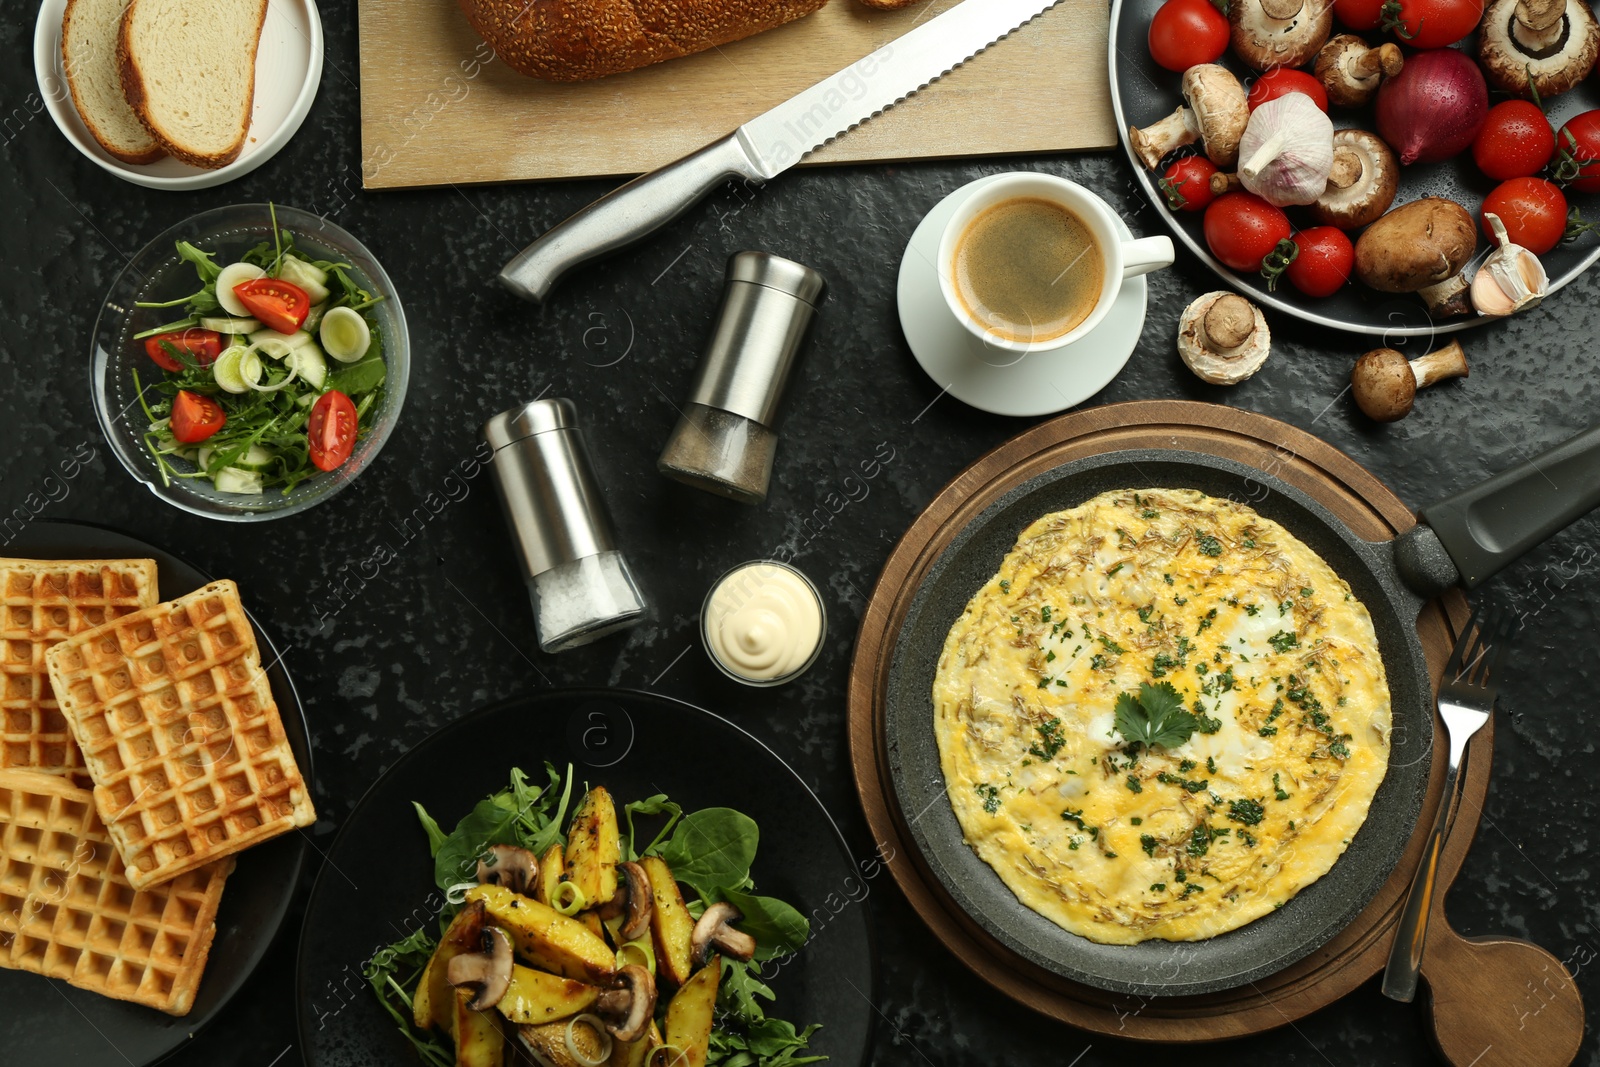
(437, 107)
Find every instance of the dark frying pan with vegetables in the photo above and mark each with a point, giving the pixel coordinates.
(1462, 540)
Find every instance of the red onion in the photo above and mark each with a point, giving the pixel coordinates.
(1434, 107)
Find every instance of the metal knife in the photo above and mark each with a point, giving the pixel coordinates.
(767, 146)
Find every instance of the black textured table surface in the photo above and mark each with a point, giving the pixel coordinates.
(446, 627)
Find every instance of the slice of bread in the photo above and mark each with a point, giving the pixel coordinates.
(89, 32)
(189, 71)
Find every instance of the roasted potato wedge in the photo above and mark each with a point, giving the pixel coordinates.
(548, 1042)
(594, 848)
(634, 1053)
(691, 1013)
(536, 997)
(552, 868)
(596, 927)
(548, 939)
(670, 923)
(433, 1003)
(479, 1042)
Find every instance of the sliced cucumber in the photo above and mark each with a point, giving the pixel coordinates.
(345, 335)
(307, 359)
(202, 458)
(256, 458)
(234, 480)
(228, 324)
(236, 368)
(277, 345)
(314, 317)
(236, 274)
(311, 278)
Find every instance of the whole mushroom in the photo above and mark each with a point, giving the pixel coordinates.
(1361, 184)
(1279, 33)
(714, 932)
(489, 970)
(1223, 338)
(1421, 247)
(1352, 72)
(1385, 384)
(1215, 116)
(1548, 45)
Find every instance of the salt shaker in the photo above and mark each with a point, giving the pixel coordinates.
(725, 440)
(581, 585)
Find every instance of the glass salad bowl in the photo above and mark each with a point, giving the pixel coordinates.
(158, 274)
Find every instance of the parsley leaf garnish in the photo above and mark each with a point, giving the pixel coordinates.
(1050, 739)
(1155, 717)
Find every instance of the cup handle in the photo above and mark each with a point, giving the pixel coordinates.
(1145, 255)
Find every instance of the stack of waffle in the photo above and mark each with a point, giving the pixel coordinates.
(165, 709)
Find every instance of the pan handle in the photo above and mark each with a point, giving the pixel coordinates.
(1492, 524)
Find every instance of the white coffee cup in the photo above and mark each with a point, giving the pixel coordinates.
(1124, 258)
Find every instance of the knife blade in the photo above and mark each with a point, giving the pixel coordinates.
(770, 144)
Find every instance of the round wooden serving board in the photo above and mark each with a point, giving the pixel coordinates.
(1494, 1001)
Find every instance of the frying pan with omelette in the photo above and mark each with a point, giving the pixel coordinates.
(999, 730)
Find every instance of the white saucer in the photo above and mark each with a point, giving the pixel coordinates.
(1006, 383)
(288, 71)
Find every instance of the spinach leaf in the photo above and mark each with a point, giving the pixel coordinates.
(436, 836)
(712, 849)
(353, 379)
(517, 815)
(777, 927)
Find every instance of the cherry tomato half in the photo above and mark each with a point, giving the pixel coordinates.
(202, 346)
(1534, 212)
(1434, 23)
(1187, 184)
(1515, 141)
(1324, 262)
(195, 417)
(1359, 15)
(1280, 81)
(1186, 32)
(280, 305)
(1241, 228)
(331, 430)
(1579, 145)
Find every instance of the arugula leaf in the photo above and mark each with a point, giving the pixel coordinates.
(518, 815)
(738, 990)
(204, 264)
(656, 805)
(769, 1043)
(777, 927)
(1155, 717)
(393, 970)
(711, 850)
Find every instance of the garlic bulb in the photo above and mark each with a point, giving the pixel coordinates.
(1287, 151)
(1511, 278)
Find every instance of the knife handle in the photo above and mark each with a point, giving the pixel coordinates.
(626, 215)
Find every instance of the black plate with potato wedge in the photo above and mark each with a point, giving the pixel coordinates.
(586, 877)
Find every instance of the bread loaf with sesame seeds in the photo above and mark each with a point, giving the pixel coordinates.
(576, 40)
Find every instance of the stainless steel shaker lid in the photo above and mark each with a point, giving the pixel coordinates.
(767, 305)
(546, 485)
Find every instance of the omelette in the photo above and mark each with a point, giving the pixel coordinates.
(1163, 718)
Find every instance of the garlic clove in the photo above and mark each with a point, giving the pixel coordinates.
(1511, 278)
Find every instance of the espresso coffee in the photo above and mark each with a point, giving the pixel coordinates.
(1028, 269)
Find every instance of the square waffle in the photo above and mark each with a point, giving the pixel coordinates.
(44, 602)
(179, 730)
(68, 912)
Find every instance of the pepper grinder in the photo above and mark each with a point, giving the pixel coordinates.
(580, 583)
(726, 439)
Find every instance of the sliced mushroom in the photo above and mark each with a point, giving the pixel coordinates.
(489, 970)
(1352, 72)
(641, 902)
(1421, 247)
(1385, 385)
(1279, 33)
(515, 868)
(1223, 338)
(1362, 184)
(714, 932)
(1215, 116)
(628, 1009)
(1549, 45)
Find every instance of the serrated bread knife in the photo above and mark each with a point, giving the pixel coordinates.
(765, 147)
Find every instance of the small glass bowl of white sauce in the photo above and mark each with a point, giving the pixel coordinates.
(763, 623)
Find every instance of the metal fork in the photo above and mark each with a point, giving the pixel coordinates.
(1466, 700)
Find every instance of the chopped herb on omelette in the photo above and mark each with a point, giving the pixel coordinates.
(1163, 718)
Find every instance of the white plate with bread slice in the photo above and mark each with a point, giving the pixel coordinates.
(177, 94)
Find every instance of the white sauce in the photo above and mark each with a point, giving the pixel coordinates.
(763, 622)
